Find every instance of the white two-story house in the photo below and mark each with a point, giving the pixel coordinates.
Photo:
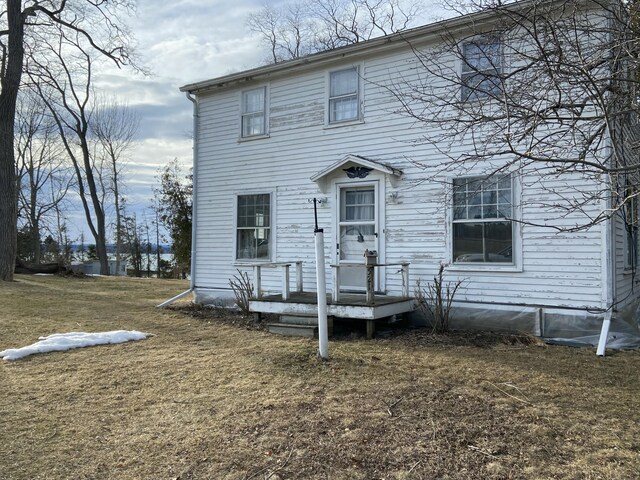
(333, 126)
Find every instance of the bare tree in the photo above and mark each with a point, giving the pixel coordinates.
(300, 28)
(43, 177)
(96, 133)
(23, 26)
(546, 90)
(114, 125)
(71, 106)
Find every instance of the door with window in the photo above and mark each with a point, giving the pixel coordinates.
(357, 231)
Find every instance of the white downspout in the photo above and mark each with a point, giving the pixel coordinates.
(609, 270)
(609, 280)
(194, 203)
(192, 281)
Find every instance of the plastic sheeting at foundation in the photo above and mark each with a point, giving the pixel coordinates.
(570, 327)
(580, 332)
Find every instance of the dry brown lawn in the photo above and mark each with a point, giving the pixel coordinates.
(209, 397)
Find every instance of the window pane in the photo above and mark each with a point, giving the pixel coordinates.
(246, 244)
(342, 109)
(358, 205)
(476, 198)
(252, 125)
(478, 85)
(253, 101)
(483, 242)
(481, 55)
(262, 247)
(344, 82)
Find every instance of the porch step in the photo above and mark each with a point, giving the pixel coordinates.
(298, 320)
(292, 330)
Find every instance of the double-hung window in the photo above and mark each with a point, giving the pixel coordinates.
(253, 222)
(482, 225)
(344, 95)
(253, 112)
(481, 68)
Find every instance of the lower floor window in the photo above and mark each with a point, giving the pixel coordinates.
(253, 226)
(482, 225)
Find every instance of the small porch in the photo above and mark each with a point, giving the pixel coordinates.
(368, 306)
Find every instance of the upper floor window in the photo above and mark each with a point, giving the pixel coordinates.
(481, 68)
(253, 112)
(482, 225)
(253, 225)
(344, 95)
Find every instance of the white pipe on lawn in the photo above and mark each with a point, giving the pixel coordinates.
(177, 297)
(604, 334)
(323, 334)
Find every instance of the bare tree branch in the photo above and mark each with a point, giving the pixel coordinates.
(547, 90)
(298, 29)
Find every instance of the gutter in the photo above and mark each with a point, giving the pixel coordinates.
(192, 280)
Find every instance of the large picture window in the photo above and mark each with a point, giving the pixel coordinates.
(343, 95)
(253, 112)
(481, 68)
(253, 227)
(482, 225)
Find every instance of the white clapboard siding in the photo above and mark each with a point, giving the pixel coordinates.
(557, 269)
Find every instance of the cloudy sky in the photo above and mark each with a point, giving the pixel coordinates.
(180, 42)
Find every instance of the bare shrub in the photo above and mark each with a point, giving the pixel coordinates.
(242, 289)
(435, 299)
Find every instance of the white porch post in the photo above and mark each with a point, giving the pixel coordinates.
(323, 334)
(256, 281)
(299, 279)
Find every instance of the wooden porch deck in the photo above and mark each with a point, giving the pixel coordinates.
(367, 306)
(352, 306)
(348, 306)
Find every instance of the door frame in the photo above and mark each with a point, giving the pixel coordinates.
(377, 180)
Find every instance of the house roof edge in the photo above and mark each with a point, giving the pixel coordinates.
(377, 43)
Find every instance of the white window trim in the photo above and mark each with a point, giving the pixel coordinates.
(272, 227)
(484, 267)
(327, 113)
(265, 113)
(462, 63)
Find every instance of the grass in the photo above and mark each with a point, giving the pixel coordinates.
(211, 397)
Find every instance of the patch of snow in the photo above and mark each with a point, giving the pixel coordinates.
(43, 274)
(61, 342)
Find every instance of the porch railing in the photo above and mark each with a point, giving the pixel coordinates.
(285, 266)
(336, 270)
(370, 269)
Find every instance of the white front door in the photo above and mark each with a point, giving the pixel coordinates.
(357, 230)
